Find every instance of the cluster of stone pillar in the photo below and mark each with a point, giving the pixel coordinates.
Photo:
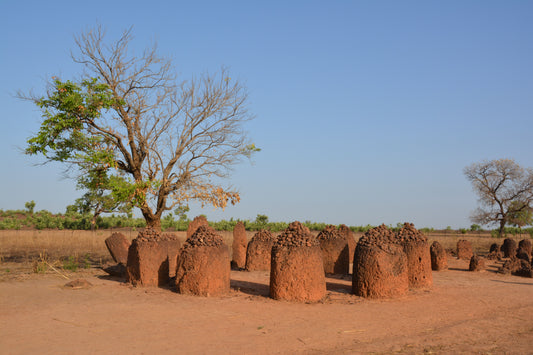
(518, 257)
(388, 263)
(385, 263)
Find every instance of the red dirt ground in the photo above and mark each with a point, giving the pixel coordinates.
(464, 312)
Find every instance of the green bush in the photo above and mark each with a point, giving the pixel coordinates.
(70, 264)
(10, 223)
(475, 227)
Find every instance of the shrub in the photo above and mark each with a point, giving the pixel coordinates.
(70, 264)
(475, 227)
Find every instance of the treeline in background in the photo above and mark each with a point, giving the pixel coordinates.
(73, 220)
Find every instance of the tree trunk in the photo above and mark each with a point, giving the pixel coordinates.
(502, 228)
(153, 222)
(93, 220)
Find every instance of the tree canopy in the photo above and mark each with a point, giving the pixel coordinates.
(505, 192)
(137, 136)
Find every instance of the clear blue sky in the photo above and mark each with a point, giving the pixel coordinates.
(366, 111)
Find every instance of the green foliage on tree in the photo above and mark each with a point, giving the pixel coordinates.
(521, 214)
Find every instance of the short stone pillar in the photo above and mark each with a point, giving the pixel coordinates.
(477, 263)
(494, 252)
(203, 265)
(511, 266)
(416, 249)
(195, 223)
(258, 252)
(335, 251)
(464, 249)
(380, 265)
(523, 254)
(297, 270)
(509, 248)
(525, 270)
(439, 257)
(525, 245)
(148, 260)
(240, 241)
(117, 245)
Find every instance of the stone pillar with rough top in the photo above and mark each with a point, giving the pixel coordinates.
(148, 260)
(259, 250)
(416, 249)
(203, 265)
(379, 265)
(297, 270)
(525, 245)
(477, 263)
(335, 251)
(195, 223)
(509, 248)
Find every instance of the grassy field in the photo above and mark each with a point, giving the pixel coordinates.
(29, 245)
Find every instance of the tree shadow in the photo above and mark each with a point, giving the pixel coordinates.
(250, 288)
(115, 272)
(488, 269)
(514, 283)
(112, 278)
(338, 287)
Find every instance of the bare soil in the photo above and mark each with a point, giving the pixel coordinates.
(463, 312)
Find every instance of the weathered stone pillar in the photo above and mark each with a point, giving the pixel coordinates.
(297, 270)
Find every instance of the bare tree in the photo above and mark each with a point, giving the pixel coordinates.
(161, 141)
(504, 189)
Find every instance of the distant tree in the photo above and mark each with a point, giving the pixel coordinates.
(475, 227)
(261, 219)
(181, 212)
(505, 191)
(30, 206)
(137, 136)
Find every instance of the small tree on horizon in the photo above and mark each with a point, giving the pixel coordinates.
(136, 136)
(30, 206)
(505, 191)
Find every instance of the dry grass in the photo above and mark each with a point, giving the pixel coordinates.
(28, 245)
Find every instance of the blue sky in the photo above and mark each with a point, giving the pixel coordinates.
(366, 111)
